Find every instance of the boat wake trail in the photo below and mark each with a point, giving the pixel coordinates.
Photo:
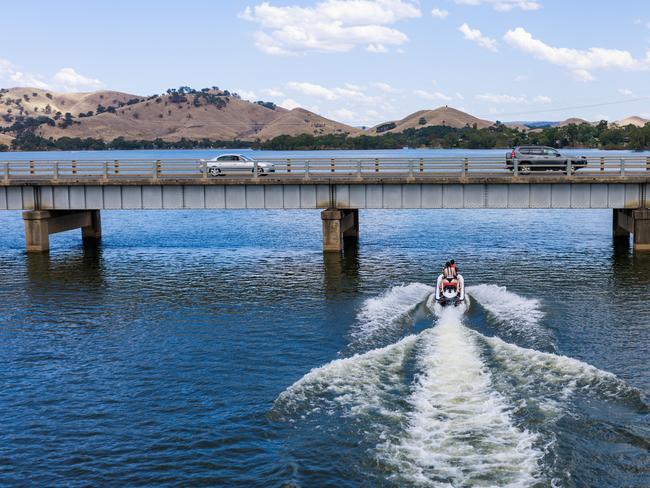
(383, 317)
(450, 406)
(460, 431)
(516, 317)
(368, 383)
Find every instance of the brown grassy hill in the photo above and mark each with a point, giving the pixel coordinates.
(6, 139)
(300, 121)
(34, 102)
(573, 120)
(440, 116)
(219, 118)
(633, 120)
(209, 113)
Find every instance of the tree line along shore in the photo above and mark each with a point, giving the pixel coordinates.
(601, 136)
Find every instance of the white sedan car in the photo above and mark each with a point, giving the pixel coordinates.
(236, 164)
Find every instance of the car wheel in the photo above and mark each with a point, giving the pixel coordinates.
(524, 168)
(260, 171)
(214, 171)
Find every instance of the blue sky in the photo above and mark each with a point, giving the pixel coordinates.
(358, 61)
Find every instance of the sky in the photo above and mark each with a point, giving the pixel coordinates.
(357, 61)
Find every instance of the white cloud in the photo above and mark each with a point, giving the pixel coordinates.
(626, 92)
(376, 48)
(9, 73)
(503, 5)
(272, 92)
(435, 96)
(246, 94)
(520, 78)
(289, 104)
(439, 13)
(70, 80)
(460, 96)
(313, 90)
(476, 36)
(501, 98)
(579, 62)
(345, 115)
(330, 25)
(348, 92)
(385, 87)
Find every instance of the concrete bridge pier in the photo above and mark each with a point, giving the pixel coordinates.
(635, 222)
(339, 224)
(39, 224)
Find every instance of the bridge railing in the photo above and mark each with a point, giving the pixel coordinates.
(304, 168)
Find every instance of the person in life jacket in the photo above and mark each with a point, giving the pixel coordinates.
(450, 277)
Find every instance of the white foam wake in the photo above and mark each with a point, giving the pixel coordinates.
(552, 375)
(364, 383)
(381, 315)
(460, 431)
(515, 315)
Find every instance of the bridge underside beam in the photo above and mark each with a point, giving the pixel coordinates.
(337, 226)
(636, 222)
(39, 224)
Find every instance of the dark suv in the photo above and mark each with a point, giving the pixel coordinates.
(541, 158)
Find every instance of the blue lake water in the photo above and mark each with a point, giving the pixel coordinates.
(222, 348)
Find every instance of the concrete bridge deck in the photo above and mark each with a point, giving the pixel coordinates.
(57, 189)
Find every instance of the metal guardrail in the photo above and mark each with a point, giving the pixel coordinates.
(305, 168)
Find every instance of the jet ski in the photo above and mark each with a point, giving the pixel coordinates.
(450, 292)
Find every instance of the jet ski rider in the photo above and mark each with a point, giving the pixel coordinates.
(450, 277)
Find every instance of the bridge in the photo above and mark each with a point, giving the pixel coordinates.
(59, 195)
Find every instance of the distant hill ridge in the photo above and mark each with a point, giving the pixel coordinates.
(208, 114)
(184, 113)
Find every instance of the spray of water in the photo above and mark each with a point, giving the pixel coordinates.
(459, 431)
(383, 316)
(364, 383)
(514, 315)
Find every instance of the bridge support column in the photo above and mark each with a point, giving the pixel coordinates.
(337, 226)
(618, 231)
(39, 224)
(636, 222)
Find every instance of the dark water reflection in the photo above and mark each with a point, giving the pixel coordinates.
(155, 358)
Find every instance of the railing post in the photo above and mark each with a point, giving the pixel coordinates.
(307, 169)
(74, 167)
(421, 165)
(56, 170)
(622, 167)
(568, 167)
(376, 165)
(116, 167)
(105, 170)
(157, 169)
(410, 168)
(602, 164)
(466, 166)
(647, 164)
(288, 165)
(359, 169)
(31, 168)
(6, 177)
(332, 165)
(515, 167)
(204, 170)
(255, 175)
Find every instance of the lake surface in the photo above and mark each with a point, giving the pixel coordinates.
(208, 153)
(222, 348)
